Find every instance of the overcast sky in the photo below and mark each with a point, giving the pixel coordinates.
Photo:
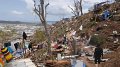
(22, 10)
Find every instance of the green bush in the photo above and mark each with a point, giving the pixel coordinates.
(39, 36)
(91, 24)
(96, 39)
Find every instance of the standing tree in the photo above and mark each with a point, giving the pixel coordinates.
(77, 10)
(40, 10)
(80, 6)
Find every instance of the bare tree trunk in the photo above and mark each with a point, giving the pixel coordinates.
(48, 37)
(77, 10)
(41, 12)
(45, 24)
(81, 7)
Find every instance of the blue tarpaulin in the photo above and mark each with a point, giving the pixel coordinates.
(106, 14)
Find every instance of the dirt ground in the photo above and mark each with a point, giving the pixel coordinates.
(89, 63)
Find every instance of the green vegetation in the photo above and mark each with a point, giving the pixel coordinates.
(4, 36)
(61, 31)
(13, 31)
(96, 39)
(39, 36)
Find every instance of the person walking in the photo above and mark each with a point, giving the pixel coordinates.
(98, 54)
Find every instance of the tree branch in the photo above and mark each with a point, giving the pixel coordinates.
(78, 8)
(72, 10)
(46, 9)
(36, 11)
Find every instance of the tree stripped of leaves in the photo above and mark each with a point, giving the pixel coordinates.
(40, 10)
(77, 10)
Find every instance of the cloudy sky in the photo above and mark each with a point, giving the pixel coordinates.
(22, 10)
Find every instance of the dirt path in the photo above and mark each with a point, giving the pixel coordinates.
(87, 62)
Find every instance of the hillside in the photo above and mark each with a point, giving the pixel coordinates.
(14, 22)
(19, 22)
(90, 26)
(95, 26)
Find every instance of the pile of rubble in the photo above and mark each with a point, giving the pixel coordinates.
(108, 29)
(54, 63)
(113, 59)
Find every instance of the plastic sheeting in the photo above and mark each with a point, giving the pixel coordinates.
(77, 63)
(18, 53)
(81, 27)
(21, 63)
(80, 64)
(59, 56)
(13, 42)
